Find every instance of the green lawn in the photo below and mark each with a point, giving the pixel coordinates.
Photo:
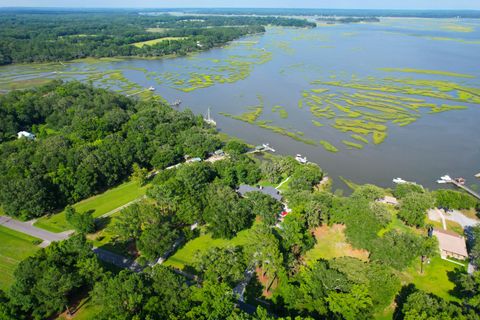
(331, 243)
(155, 41)
(100, 204)
(87, 311)
(451, 225)
(434, 278)
(396, 223)
(14, 247)
(184, 256)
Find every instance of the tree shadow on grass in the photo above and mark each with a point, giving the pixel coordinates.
(400, 300)
(102, 223)
(455, 276)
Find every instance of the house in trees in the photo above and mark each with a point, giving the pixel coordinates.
(451, 244)
(389, 200)
(25, 134)
(271, 191)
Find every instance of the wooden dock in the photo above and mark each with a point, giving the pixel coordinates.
(465, 188)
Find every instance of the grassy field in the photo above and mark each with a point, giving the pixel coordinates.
(155, 41)
(435, 277)
(184, 256)
(100, 204)
(331, 243)
(88, 310)
(396, 223)
(14, 247)
(24, 84)
(451, 225)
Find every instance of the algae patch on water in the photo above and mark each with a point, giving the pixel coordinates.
(281, 111)
(429, 72)
(328, 146)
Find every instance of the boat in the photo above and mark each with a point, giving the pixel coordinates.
(151, 89)
(399, 181)
(301, 159)
(446, 178)
(176, 103)
(477, 175)
(266, 147)
(209, 119)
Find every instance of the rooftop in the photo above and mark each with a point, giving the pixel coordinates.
(271, 191)
(451, 242)
(389, 200)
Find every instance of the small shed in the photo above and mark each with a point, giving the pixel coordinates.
(271, 191)
(451, 244)
(194, 160)
(219, 152)
(25, 134)
(389, 200)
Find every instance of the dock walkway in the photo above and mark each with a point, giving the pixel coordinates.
(467, 189)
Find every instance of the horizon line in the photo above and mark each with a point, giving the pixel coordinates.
(271, 8)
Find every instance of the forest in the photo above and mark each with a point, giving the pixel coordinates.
(67, 35)
(88, 140)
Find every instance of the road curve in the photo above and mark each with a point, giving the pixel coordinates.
(28, 228)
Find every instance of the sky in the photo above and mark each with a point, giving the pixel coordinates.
(337, 4)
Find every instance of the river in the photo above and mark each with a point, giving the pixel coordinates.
(391, 80)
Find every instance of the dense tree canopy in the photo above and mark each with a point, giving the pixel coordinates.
(87, 140)
(66, 35)
(222, 265)
(451, 199)
(45, 282)
(414, 207)
(226, 213)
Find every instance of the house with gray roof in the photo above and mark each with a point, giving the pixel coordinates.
(271, 191)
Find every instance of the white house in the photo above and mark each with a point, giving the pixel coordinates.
(25, 134)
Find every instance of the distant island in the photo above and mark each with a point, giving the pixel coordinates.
(334, 20)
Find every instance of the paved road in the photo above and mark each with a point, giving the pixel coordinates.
(461, 219)
(239, 290)
(28, 228)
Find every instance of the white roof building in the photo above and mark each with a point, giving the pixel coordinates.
(25, 134)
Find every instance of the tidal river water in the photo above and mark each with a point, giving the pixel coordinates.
(369, 102)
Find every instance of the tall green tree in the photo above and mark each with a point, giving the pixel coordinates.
(414, 207)
(221, 265)
(226, 214)
(45, 282)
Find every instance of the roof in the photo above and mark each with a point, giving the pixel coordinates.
(451, 242)
(389, 199)
(271, 191)
(25, 134)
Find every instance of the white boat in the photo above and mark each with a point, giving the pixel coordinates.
(151, 89)
(301, 159)
(209, 119)
(446, 178)
(477, 175)
(441, 181)
(267, 147)
(399, 181)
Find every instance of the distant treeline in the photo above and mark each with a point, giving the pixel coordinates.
(58, 36)
(348, 20)
(333, 12)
